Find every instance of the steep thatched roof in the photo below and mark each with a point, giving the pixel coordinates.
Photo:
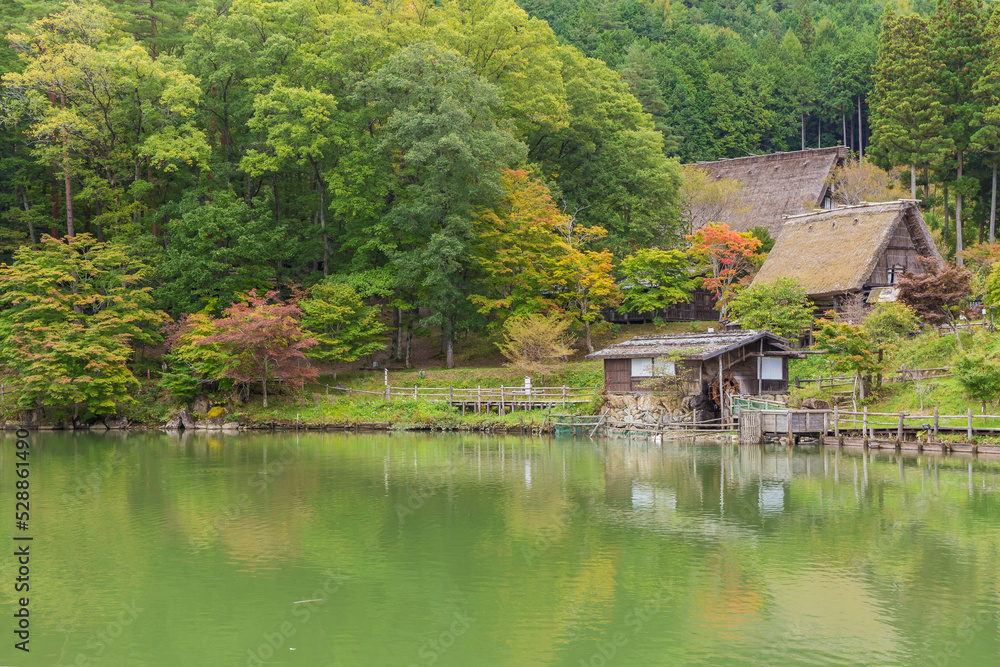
(699, 346)
(773, 186)
(835, 251)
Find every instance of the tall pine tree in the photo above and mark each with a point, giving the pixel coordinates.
(958, 37)
(987, 89)
(907, 118)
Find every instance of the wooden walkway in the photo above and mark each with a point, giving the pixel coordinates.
(872, 429)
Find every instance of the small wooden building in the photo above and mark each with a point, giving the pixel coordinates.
(737, 362)
(773, 186)
(851, 249)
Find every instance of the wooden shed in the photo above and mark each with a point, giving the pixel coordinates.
(739, 362)
(773, 186)
(851, 249)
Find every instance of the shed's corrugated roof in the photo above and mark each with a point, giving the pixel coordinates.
(775, 185)
(691, 345)
(835, 251)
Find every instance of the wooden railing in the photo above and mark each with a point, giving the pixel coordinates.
(484, 395)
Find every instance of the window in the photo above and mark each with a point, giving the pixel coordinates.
(647, 367)
(642, 368)
(771, 368)
(663, 367)
(894, 273)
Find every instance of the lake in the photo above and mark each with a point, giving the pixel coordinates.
(429, 549)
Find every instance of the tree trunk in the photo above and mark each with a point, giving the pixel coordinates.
(958, 340)
(409, 345)
(322, 224)
(913, 181)
(819, 132)
(397, 335)
(927, 186)
(152, 31)
(31, 225)
(263, 381)
(802, 119)
(843, 119)
(98, 227)
(861, 136)
(449, 342)
(945, 229)
(67, 180)
(958, 217)
(586, 327)
(993, 207)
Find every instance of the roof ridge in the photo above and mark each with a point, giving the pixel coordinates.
(775, 154)
(864, 204)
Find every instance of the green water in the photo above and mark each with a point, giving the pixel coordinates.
(405, 549)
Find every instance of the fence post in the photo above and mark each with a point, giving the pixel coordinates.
(836, 421)
(969, 428)
(451, 395)
(899, 432)
(936, 415)
(798, 383)
(864, 427)
(479, 398)
(501, 401)
(564, 396)
(387, 395)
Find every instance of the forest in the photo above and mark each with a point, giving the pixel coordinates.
(378, 170)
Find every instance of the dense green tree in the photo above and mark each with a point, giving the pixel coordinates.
(343, 326)
(217, 246)
(782, 307)
(437, 118)
(958, 34)
(655, 279)
(987, 89)
(907, 115)
(74, 313)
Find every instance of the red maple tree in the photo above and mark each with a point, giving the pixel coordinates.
(262, 340)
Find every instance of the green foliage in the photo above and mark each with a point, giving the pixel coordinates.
(75, 311)
(979, 376)
(217, 248)
(656, 279)
(889, 322)
(850, 348)
(535, 344)
(344, 327)
(781, 307)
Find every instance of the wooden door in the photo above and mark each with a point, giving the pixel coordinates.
(617, 375)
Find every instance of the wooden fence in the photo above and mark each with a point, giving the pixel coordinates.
(892, 427)
(901, 375)
(485, 397)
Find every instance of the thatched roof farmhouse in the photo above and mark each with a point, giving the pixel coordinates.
(774, 185)
(850, 249)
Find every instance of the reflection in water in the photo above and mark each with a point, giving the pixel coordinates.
(430, 549)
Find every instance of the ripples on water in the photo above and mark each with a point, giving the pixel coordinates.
(459, 550)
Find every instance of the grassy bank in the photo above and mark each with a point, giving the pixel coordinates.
(927, 350)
